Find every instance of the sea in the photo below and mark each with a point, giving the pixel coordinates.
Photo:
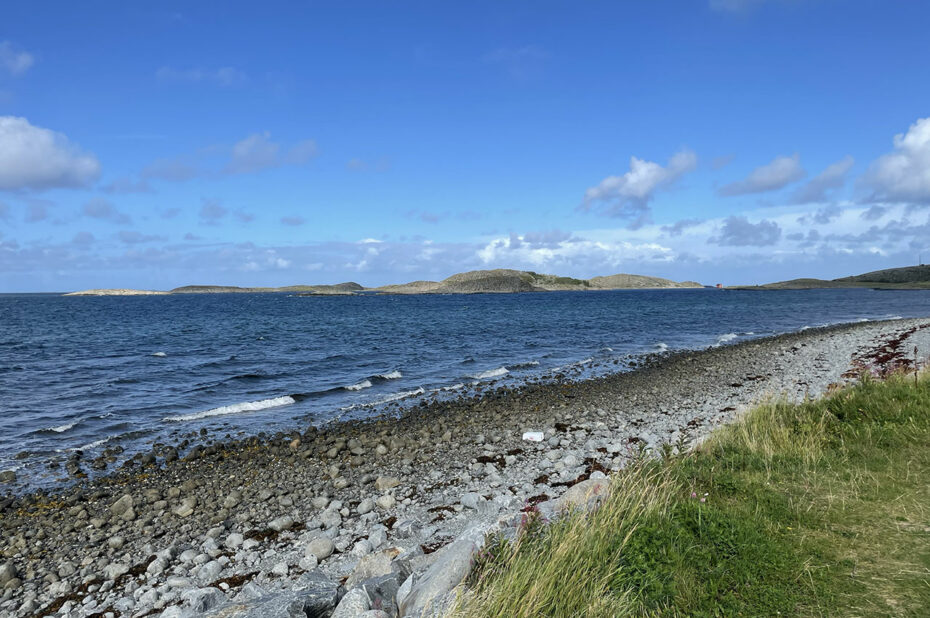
(85, 374)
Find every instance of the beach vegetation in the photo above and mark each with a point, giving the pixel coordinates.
(819, 508)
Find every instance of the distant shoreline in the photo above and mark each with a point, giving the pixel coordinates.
(499, 281)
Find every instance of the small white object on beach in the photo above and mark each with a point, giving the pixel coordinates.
(534, 436)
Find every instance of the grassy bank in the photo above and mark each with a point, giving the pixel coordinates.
(816, 509)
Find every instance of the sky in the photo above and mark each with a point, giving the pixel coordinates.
(158, 144)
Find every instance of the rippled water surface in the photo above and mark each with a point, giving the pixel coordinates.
(90, 372)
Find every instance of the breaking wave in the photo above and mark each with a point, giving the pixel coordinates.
(248, 406)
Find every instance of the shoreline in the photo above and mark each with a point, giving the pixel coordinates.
(416, 481)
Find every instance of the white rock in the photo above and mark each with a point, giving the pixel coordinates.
(355, 602)
(320, 548)
(386, 502)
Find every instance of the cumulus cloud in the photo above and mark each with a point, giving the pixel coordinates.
(817, 188)
(32, 157)
(739, 232)
(903, 175)
(628, 196)
(224, 77)
(781, 172)
(258, 152)
(99, 208)
(14, 60)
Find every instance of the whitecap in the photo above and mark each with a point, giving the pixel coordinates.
(523, 365)
(400, 395)
(159, 354)
(391, 375)
(491, 373)
(662, 346)
(62, 428)
(725, 338)
(357, 387)
(248, 406)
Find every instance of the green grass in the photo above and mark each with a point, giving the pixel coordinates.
(816, 509)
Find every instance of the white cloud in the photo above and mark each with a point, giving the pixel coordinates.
(628, 196)
(781, 172)
(13, 60)
(258, 152)
(833, 177)
(36, 158)
(904, 174)
(224, 76)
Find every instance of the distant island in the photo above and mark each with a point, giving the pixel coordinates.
(499, 281)
(904, 278)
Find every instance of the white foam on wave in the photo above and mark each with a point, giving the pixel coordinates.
(62, 428)
(86, 447)
(725, 339)
(391, 375)
(400, 395)
(248, 406)
(662, 346)
(159, 354)
(523, 365)
(491, 373)
(357, 387)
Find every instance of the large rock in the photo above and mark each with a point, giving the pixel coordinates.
(7, 572)
(312, 596)
(123, 508)
(428, 595)
(353, 604)
(372, 565)
(583, 495)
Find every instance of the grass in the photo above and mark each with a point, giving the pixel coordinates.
(814, 509)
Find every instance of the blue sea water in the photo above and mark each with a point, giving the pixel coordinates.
(93, 372)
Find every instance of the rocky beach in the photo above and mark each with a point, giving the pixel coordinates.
(381, 517)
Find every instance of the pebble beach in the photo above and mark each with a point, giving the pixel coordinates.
(380, 517)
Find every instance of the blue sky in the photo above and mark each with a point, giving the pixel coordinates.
(152, 145)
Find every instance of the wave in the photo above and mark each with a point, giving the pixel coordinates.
(525, 365)
(391, 375)
(62, 428)
(491, 373)
(662, 346)
(725, 339)
(573, 365)
(159, 354)
(357, 387)
(248, 406)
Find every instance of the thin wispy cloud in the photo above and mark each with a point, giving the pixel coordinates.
(225, 77)
(14, 60)
(819, 187)
(777, 174)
